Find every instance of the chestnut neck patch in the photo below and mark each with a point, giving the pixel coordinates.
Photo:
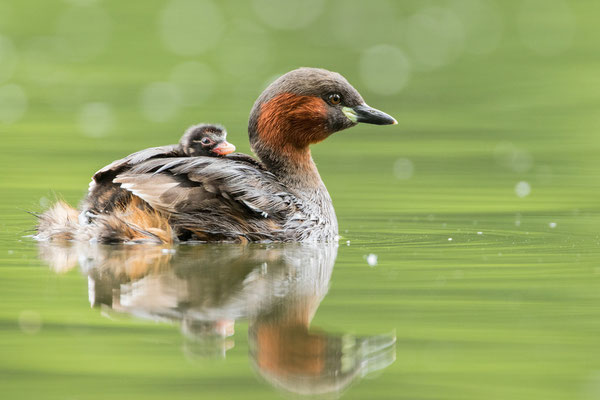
(291, 121)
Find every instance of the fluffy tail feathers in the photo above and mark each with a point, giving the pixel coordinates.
(133, 222)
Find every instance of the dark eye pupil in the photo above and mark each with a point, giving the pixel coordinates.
(335, 98)
(205, 141)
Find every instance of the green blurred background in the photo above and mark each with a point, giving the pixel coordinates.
(481, 205)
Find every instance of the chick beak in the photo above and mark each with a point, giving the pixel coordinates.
(369, 115)
(223, 148)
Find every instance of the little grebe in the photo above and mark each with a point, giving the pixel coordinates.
(282, 198)
(198, 140)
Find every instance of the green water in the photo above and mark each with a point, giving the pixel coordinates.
(496, 149)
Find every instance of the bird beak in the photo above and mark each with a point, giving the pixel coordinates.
(223, 148)
(369, 115)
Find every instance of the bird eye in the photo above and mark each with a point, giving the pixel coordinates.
(206, 141)
(334, 99)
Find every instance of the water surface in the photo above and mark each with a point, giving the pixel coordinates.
(468, 264)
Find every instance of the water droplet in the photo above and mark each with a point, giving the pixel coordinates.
(449, 239)
(96, 119)
(480, 233)
(522, 189)
(552, 225)
(458, 274)
(160, 101)
(44, 202)
(190, 27)
(372, 260)
(30, 322)
(13, 103)
(403, 169)
(287, 15)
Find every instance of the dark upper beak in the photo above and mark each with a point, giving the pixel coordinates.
(369, 115)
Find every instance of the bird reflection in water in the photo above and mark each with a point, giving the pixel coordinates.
(206, 288)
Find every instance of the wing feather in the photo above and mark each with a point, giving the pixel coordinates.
(103, 194)
(117, 166)
(203, 184)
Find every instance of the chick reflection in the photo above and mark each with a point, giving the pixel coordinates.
(206, 288)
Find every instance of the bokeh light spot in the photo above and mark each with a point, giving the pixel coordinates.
(435, 37)
(8, 58)
(96, 119)
(522, 189)
(403, 169)
(359, 24)
(245, 50)
(83, 33)
(512, 157)
(482, 22)
(81, 2)
(385, 69)
(30, 322)
(195, 80)
(546, 26)
(160, 101)
(371, 260)
(190, 27)
(7, 14)
(13, 103)
(287, 15)
(41, 61)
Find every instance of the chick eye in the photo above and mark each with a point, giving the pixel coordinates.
(205, 141)
(334, 99)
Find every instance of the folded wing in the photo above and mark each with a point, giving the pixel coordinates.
(112, 169)
(104, 194)
(212, 196)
